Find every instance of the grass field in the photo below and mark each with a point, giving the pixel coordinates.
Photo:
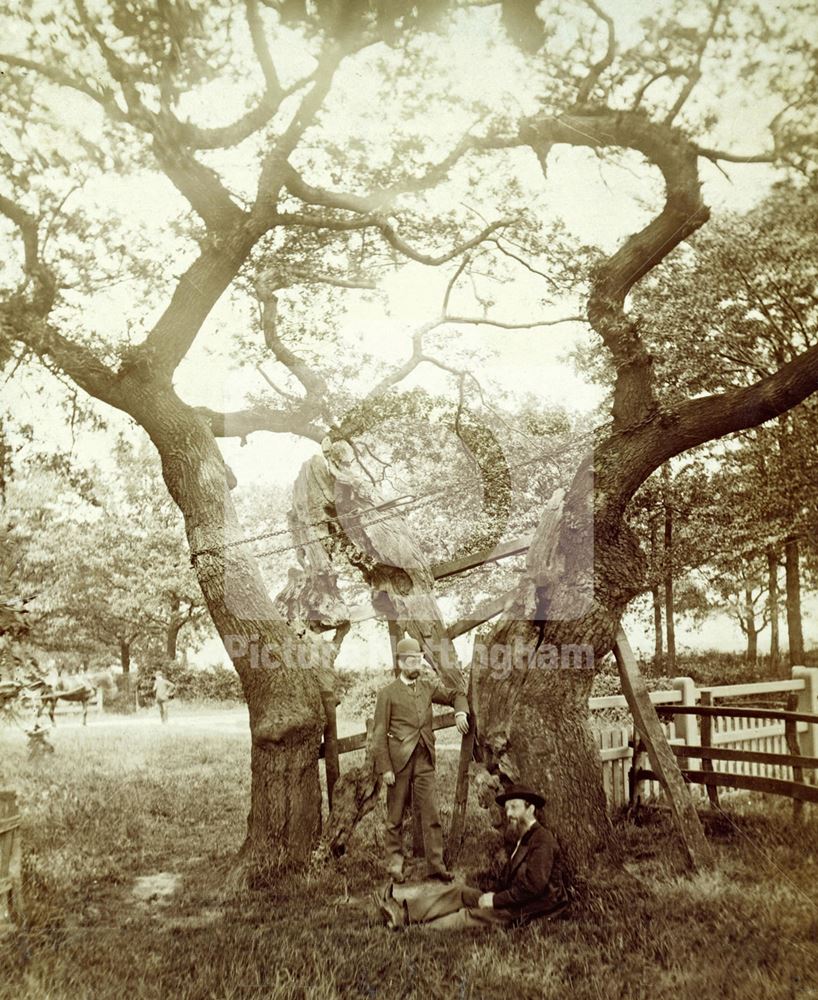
(129, 835)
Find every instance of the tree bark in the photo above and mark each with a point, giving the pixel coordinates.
(793, 579)
(772, 598)
(658, 638)
(127, 682)
(283, 700)
(269, 655)
(383, 551)
(670, 611)
(174, 626)
(658, 641)
(532, 679)
(750, 626)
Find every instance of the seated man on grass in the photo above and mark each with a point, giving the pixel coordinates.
(528, 887)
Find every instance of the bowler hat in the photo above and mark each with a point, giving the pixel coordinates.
(521, 792)
(407, 646)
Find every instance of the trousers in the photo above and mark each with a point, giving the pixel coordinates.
(417, 777)
(453, 907)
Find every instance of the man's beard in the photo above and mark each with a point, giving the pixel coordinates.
(517, 826)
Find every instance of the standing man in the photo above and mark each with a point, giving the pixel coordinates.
(163, 692)
(404, 743)
(529, 887)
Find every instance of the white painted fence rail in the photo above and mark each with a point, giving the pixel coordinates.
(743, 734)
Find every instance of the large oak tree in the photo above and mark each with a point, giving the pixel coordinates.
(354, 115)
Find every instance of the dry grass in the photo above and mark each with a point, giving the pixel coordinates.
(116, 804)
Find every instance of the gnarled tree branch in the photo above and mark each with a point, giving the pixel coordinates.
(695, 71)
(683, 213)
(596, 71)
(707, 418)
(240, 423)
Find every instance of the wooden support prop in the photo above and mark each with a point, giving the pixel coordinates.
(707, 741)
(487, 611)
(482, 614)
(661, 756)
(513, 548)
(332, 764)
(457, 826)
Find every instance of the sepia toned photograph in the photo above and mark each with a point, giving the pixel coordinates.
(408, 500)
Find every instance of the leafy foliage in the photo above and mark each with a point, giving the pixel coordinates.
(102, 557)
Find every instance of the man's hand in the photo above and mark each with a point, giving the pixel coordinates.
(389, 777)
(486, 901)
(461, 720)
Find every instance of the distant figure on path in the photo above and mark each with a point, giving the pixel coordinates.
(163, 692)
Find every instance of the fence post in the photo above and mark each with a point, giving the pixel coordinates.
(707, 741)
(808, 702)
(686, 725)
(11, 868)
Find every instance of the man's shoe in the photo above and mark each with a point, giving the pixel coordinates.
(441, 875)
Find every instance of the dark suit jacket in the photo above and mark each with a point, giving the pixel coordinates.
(403, 718)
(530, 885)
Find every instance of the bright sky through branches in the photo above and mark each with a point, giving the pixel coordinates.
(599, 203)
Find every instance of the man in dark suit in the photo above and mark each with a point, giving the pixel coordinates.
(404, 745)
(529, 886)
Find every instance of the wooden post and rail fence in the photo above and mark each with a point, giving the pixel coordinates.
(760, 748)
(747, 747)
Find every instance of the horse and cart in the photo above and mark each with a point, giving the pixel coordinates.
(41, 696)
(45, 696)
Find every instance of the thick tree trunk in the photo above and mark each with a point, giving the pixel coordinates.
(793, 577)
(531, 680)
(125, 657)
(772, 598)
(284, 821)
